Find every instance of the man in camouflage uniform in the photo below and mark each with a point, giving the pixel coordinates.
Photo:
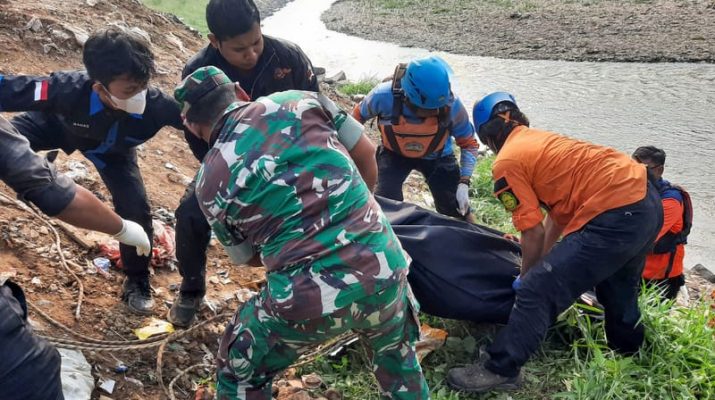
(278, 183)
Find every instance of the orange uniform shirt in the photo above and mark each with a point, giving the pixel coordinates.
(574, 180)
(656, 264)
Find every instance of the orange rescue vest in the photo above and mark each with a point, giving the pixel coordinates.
(408, 139)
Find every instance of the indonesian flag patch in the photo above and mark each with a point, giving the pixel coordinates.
(41, 90)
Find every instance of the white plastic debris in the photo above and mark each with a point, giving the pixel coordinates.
(76, 374)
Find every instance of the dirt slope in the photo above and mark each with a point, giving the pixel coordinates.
(37, 37)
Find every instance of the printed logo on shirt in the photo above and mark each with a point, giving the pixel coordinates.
(505, 195)
(509, 200)
(80, 125)
(281, 73)
(41, 90)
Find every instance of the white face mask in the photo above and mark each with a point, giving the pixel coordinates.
(133, 105)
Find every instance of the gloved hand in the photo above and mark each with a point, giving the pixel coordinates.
(132, 234)
(517, 283)
(463, 198)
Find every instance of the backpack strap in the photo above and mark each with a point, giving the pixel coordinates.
(443, 126)
(398, 97)
(668, 270)
(398, 94)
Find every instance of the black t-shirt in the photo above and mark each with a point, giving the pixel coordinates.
(282, 66)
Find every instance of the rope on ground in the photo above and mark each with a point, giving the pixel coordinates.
(147, 344)
(162, 346)
(58, 246)
(87, 339)
(182, 373)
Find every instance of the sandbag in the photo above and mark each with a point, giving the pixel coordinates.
(459, 270)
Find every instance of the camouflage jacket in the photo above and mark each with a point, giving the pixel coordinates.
(278, 177)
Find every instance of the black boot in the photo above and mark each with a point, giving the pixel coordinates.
(476, 378)
(137, 295)
(183, 311)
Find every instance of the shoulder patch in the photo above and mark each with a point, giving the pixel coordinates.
(508, 199)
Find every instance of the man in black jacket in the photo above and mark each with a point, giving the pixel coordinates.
(105, 113)
(30, 366)
(261, 65)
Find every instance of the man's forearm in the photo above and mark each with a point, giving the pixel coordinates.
(532, 244)
(363, 155)
(88, 212)
(552, 234)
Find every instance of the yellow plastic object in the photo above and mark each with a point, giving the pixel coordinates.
(155, 327)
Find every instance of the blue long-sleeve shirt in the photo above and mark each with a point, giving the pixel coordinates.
(378, 104)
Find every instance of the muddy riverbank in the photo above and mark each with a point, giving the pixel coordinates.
(575, 30)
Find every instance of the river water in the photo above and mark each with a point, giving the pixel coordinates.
(622, 105)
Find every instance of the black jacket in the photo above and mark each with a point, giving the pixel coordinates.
(67, 101)
(282, 66)
(31, 176)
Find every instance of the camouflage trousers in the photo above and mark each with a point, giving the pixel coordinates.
(258, 345)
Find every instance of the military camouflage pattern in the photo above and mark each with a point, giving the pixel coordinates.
(278, 178)
(197, 85)
(257, 344)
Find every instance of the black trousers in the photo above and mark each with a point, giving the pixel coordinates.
(441, 174)
(668, 287)
(193, 234)
(120, 172)
(608, 253)
(29, 366)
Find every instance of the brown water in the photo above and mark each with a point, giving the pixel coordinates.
(623, 105)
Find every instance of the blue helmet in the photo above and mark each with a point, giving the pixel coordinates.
(484, 108)
(426, 83)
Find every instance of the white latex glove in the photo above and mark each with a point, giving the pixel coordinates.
(463, 198)
(132, 234)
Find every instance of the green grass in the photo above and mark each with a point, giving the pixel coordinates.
(363, 86)
(192, 12)
(485, 207)
(677, 361)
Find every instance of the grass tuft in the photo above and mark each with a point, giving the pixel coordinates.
(363, 86)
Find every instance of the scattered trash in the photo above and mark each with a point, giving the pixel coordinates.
(174, 287)
(163, 253)
(121, 368)
(431, 339)
(108, 385)
(76, 375)
(135, 382)
(102, 397)
(244, 294)
(102, 265)
(36, 281)
(171, 167)
(214, 280)
(155, 327)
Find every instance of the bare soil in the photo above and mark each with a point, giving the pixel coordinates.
(26, 244)
(574, 30)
